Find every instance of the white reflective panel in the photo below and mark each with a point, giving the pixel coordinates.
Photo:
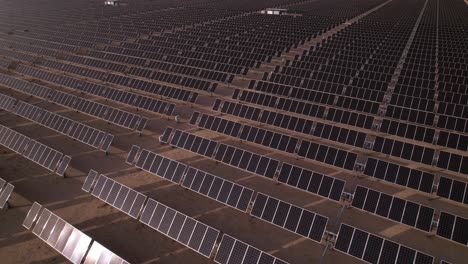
(80, 248)
(98, 254)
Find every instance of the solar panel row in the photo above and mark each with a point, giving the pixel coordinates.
(119, 196)
(234, 251)
(113, 115)
(235, 157)
(394, 208)
(119, 96)
(66, 239)
(292, 218)
(40, 154)
(375, 249)
(275, 140)
(76, 130)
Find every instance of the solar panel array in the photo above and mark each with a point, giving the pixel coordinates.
(192, 233)
(31, 149)
(373, 92)
(66, 239)
(303, 148)
(290, 217)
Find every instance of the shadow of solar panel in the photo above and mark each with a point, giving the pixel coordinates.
(216, 188)
(371, 248)
(119, 196)
(234, 251)
(310, 181)
(289, 217)
(412, 214)
(184, 229)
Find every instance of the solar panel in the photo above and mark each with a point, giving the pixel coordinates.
(374, 249)
(453, 227)
(141, 124)
(68, 127)
(221, 190)
(139, 101)
(118, 196)
(110, 114)
(164, 138)
(107, 142)
(98, 254)
(327, 154)
(234, 251)
(247, 160)
(390, 207)
(194, 117)
(183, 229)
(32, 215)
(453, 189)
(37, 152)
(63, 237)
(249, 133)
(310, 181)
(62, 167)
(132, 154)
(5, 194)
(89, 181)
(400, 175)
(289, 217)
(193, 143)
(161, 166)
(404, 150)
